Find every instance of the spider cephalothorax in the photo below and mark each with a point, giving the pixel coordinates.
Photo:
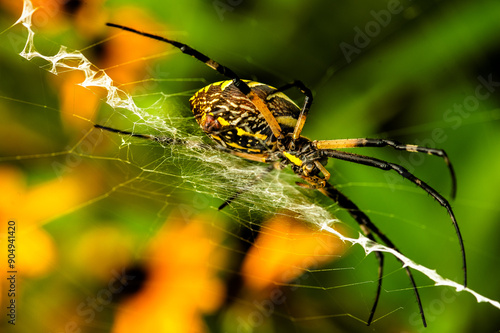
(258, 122)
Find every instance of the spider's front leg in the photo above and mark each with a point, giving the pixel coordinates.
(310, 169)
(377, 143)
(383, 165)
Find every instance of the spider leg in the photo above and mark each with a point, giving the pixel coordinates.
(301, 120)
(373, 162)
(240, 84)
(364, 142)
(160, 139)
(369, 229)
(189, 51)
(253, 157)
(264, 158)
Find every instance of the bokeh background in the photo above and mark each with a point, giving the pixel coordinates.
(102, 247)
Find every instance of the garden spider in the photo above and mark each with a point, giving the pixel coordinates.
(258, 122)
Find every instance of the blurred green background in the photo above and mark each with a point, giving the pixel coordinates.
(420, 72)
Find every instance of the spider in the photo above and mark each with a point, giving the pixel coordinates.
(260, 123)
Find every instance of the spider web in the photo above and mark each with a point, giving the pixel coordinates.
(191, 167)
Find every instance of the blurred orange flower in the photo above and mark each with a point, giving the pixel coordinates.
(123, 56)
(32, 206)
(183, 284)
(284, 250)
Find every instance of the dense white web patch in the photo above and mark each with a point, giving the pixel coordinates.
(284, 196)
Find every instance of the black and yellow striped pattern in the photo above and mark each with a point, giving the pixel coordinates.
(231, 119)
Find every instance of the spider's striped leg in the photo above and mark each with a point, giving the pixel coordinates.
(301, 120)
(369, 229)
(373, 162)
(364, 142)
(240, 84)
(189, 51)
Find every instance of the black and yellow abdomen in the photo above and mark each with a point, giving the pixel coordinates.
(233, 121)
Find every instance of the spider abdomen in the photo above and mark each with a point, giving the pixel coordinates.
(233, 121)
